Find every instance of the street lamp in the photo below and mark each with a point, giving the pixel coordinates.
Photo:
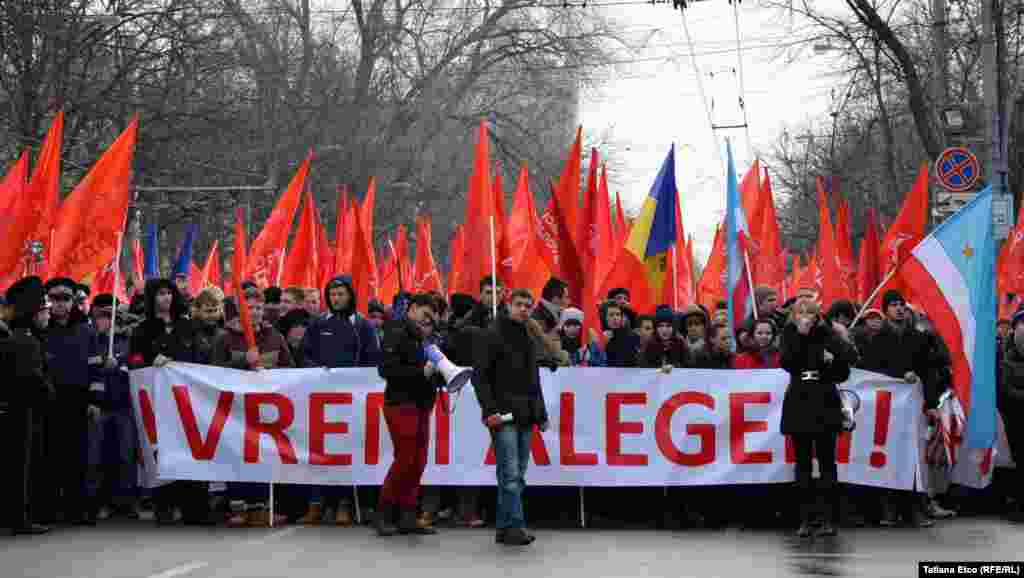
(953, 119)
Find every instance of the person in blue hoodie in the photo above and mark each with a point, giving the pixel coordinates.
(75, 365)
(119, 487)
(339, 338)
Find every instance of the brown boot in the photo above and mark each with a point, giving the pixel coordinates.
(344, 517)
(313, 516)
(408, 524)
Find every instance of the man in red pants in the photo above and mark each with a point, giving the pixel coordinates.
(408, 399)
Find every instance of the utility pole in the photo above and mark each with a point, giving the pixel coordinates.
(938, 84)
(990, 83)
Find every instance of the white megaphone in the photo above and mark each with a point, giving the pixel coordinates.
(455, 377)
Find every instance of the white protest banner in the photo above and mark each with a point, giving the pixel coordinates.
(609, 427)
(142, 404)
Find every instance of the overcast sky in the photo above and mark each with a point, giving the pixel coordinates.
(654, 103)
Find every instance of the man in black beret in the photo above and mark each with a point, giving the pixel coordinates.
(27, 391)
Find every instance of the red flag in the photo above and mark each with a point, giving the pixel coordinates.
(367, 209)
(770, 268)
(711, 287)
(524, 240)
(906, 231)
(343, 234)
(844, 253)
(1011, 267)
(402, 263)
(750, 194)
(364, 264)
(44, 192)
(425, 275)
(388, 273)
(621, 230)
(33, 211)
(12, 188)
(569, 185)
(593, 247)
(325, 260)
(680, 292)
(91, 220)
(811, 277)
(211, 270)
(103, 282)
(868, 269)
(477, 254)
(195, 279)
(500, 222)
(238, 264)
(569, 259)
(826, 250)
(456, 249)
(302, 265)
(693, 266)
(264, 263)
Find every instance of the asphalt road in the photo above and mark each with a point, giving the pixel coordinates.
(138, 549)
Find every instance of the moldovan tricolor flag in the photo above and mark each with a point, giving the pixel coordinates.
(952, 272)
(737, 287)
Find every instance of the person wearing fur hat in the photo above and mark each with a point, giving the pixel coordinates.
(900, 351)
(119, 487)
(168, 335)
(76, 369)
(26, 391)
(665, 350)
(580, 355)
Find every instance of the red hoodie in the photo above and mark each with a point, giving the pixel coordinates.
(757, 360)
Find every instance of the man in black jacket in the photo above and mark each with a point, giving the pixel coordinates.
(76, 370)
(900, 351)
(507, 383)
(411, 384)
(22, 361)
(167, 335)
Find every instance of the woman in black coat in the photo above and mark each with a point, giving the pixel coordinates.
(817, 359)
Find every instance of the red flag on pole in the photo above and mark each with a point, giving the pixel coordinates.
(264, 264)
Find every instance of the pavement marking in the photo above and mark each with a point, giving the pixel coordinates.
(199, 565)
(180, 570)
(271, 536)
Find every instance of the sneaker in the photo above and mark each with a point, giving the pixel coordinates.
(105, 513)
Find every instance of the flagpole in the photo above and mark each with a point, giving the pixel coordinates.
(117, 280)
(867, 302)
(750, 280)
(494, 274)
(675, 279)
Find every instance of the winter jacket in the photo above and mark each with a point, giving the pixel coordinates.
(1011, 384)
(714, 359)
(811, 405)
(507, 378)
(579, 356)
(23, 362)
(231, 348)
(174, 340)
(118, 392)
(765, 359)
(206, 336)
(340, 338)
(75, 362)
(623, 349)
(401, 366)
(657, 353)
(895, 354)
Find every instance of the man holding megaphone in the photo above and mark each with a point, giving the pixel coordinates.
(411, 383)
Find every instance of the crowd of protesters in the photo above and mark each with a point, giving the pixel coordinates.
(68, 417)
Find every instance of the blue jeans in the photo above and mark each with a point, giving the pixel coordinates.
(512, 454)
